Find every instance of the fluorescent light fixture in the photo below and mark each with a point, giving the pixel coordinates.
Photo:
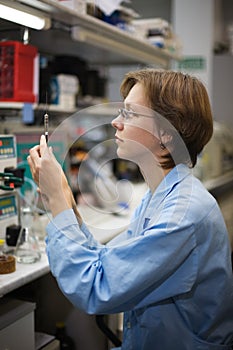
(23, 15)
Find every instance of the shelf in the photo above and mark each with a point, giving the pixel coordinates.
(121, 46)
(11, 105)
(106, 109)
(35, 106)
(221, 184)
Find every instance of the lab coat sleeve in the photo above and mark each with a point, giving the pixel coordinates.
(102, 279)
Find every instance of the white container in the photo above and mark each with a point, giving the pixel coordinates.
(77, 5)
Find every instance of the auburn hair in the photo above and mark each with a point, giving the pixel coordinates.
(180, 98)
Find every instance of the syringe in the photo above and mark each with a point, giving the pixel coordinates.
(46, 121)
(46, 126)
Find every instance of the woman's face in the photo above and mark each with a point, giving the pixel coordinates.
(135, 136)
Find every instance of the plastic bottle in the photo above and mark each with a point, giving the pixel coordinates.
(66, 342)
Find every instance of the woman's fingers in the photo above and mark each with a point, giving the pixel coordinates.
(34, 161)
(43, 145)
(34, 153)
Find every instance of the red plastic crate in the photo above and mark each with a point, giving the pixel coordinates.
(17, 72)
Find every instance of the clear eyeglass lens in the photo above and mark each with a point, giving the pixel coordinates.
(124, 113)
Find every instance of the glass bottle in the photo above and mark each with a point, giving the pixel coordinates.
(27, 248)
(66, 342)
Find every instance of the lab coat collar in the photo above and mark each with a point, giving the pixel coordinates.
(175, 176)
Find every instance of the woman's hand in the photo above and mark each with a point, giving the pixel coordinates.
(49, 176)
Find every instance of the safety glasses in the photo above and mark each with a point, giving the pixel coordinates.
(128, 114)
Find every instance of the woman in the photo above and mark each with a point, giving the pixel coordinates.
(170, 272)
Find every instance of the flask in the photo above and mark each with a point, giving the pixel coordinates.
(27, 249)
(66, 342)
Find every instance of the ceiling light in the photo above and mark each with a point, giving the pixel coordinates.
(25, 16)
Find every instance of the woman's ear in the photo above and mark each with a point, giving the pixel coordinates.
(165, 140)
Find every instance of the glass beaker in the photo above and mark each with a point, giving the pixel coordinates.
(27, 249)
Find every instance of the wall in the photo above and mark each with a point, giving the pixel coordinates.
(193, 22)
(223, 89)
(223, 66)
(153, 8)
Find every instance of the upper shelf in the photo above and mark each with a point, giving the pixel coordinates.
(120, 46)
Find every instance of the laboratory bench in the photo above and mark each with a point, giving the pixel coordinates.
(24, 274)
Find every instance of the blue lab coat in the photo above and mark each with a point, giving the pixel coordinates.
(170, 272)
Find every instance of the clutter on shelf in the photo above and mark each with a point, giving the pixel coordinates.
(158, 32)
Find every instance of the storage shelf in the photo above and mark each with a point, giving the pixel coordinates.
(11, 105)
(221, 184)
(35, 106)
(104, 109)
(97, 33)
